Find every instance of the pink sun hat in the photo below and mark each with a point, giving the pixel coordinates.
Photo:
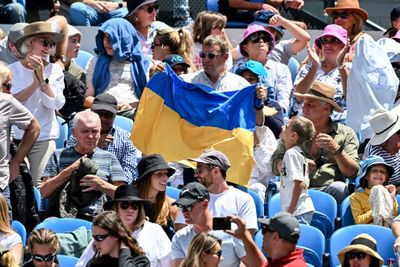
(334, 30)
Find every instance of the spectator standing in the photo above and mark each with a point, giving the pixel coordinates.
(74, 44)
(39, 85)
(96, 12)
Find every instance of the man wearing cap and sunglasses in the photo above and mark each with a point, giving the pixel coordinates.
(193, 201)
(332, 154)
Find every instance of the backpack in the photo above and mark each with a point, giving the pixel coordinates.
(74, 93)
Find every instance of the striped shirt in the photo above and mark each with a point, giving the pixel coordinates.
(392, 160)
(123, 148)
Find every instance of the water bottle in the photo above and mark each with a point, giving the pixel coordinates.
(272, 189)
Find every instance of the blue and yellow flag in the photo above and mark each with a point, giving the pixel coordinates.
(180, 120)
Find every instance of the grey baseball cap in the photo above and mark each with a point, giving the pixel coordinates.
(285, 224)
(213, 157)
(16, 31)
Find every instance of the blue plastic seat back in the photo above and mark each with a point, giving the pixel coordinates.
(274, 205)
(212, 5)
(67, 261)
(38, 198)
(62, 138)
(172, 192)
(293, 66)
(323, 223)
(123, 122)
(83, 59)
(311, 257)
(345, 213)
(258, 238)
(62, 225)
(257, 200)
(324, 203)
(312, 238)
(19, 228)
(398, 202)
(343, 236)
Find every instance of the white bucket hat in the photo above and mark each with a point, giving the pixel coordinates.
(385, 124)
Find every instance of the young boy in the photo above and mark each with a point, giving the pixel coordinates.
(294, 172)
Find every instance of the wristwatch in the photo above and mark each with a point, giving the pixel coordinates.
(46, 81)
(61, 57)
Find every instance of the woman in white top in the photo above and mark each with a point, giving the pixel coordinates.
(9, 239)
(39, 86)
(150, 236)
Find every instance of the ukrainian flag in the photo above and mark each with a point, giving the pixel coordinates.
(180, 120)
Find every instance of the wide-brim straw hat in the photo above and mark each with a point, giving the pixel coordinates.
(364, 243)
(36, 28)
(321, 91)
(348, 5)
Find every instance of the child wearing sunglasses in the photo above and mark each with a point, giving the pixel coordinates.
(362, 252)
(43, 246)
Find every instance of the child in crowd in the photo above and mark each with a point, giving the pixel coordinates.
(294, 171)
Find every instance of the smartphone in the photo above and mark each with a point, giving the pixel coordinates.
(221, 223)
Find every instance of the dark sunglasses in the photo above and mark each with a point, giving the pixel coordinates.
(45, 258)
(46, 43)
(331, 41)
(218, 253)
(255, 38)
(266, 229)
(210, 55)
(153, 45)
(7, 85)
(125, 205)
(151, 8)
(356, 254)
(343, 15)
(100, 238)
(189, 207)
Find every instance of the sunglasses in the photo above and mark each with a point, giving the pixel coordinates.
(331, 41)
(46, 43)
(7, 85)
(210, 55)
(343, 15)
(151, 8)
(218, 253)
(189, 207)
(153, 45)
(356, 254)
(256, 38)
(45, 258)
(100, 238)
(266, 229)
(125, 205)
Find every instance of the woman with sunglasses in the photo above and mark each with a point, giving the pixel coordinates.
(150, 236)
(119, 68)
(39, 86)
(43, 245)
(114, 244)
(322, 64)
(5, 78)
(349, 15)
(204, 251)
(362, 252)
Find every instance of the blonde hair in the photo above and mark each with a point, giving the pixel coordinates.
(303, 127)
(5, 73)
(205, 22)
(44, 237)
(7, 259)
(178, 41)
(5, 226)
(358, 28)
(2, 34)
(200, 243)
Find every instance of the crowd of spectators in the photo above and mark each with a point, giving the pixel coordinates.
(301, 140)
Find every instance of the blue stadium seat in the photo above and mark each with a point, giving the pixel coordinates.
(293, 66)
(62, 138)
(343, 236)
(83, 58)
(257, 200)
(324, 203)
(19, 228)
(67, 261)
(123, 122)
(38, 198)
(345, 213)
(62, 225)
(311, 257)
(172, 192)
(274, 205)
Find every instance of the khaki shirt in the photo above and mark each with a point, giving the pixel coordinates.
(329, 171)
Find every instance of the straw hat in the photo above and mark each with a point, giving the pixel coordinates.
(321, 91)
(36, 28)
(364, 243)
(385, 124)
(348, 5)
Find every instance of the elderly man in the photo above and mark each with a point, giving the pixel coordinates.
(14, 113)
(64, 165)
(386, 141)
(214, 54)
(332, 153)
(112, 138)
(281, 234)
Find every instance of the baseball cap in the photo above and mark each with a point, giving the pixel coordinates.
(213, 157)
(285, 224)
(16, 31)
(262, 18)
(105, 102)
(174, 59)
(191, 193)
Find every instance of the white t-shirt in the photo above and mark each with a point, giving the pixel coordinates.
(232, 248)
(231, 202)
(151, 238)
(9, 240)
(295, 167)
